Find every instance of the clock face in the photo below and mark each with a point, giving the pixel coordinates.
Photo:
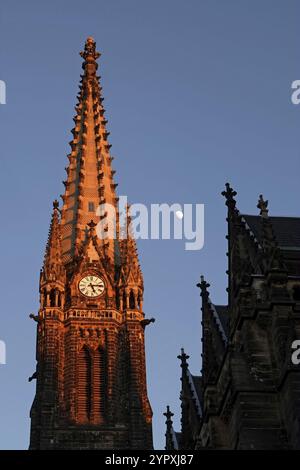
(91, 286)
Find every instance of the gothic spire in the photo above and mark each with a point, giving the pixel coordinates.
(89, 182)
(128, 251)
(271, 251)
(53, 261)
(171, 441)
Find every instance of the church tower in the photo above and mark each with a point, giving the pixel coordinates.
(91, 388)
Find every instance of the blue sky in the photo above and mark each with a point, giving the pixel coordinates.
(196, 93)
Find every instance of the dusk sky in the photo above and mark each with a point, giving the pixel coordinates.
(197, 93)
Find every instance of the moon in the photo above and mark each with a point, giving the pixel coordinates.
(179, 214)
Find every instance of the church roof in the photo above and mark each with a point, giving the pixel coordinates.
(197, 379)
(175, 437)
(195, 386)
(286, 230)
(221, 319)
(222, 311)
(178, 437)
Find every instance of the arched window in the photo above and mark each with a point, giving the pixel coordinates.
(139, 301)
(68, 295)
(131, 300)
(124, 301)
(99, 385)
(45, 297)
(52, 298)
(84, 382)
(59, 299)
(117, 300)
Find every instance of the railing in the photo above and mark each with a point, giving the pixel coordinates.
(57, 314)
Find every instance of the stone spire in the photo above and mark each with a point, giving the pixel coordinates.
(89, 182)
(131, 283)
(53, 267)
(128, 250)
(91, 375)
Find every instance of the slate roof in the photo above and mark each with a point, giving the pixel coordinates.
(196, 392)
(178, 437)
(286, 229)
(222, 311)
(198, 386)
(175, 436)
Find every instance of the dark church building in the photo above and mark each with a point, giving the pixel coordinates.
(248, 393)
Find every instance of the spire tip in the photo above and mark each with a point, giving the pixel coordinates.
(90, 54)
(55, 204)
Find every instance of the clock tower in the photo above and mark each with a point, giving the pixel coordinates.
(91, 388)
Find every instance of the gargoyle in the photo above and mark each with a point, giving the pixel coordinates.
(147, 322)
(34, 376)
(36, 318)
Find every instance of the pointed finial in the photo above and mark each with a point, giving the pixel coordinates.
(229, 194)
(263, 206)
(55, 204)
(168, 414)
(183, 358)
(203, 285)
(89, 54)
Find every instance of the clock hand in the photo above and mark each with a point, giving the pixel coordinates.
(92, 287)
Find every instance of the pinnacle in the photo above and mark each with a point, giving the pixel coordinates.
(168, 414)
(229, 195)
(52, 259)
(203, 285)
(263, 206)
